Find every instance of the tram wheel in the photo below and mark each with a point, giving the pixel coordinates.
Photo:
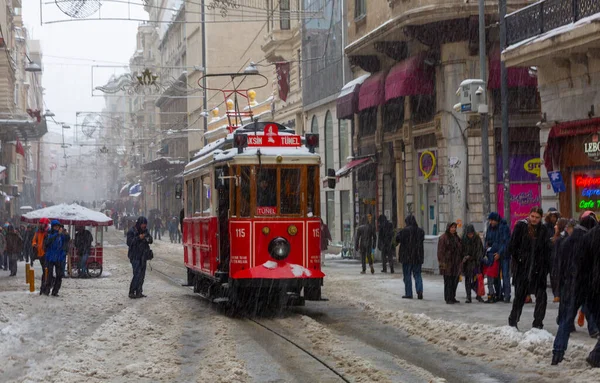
(94, 269)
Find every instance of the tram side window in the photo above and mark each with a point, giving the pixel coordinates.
(266, 193)
(310, 185)
(206, 194)
(291, 188)
(245, 192)
(189, 199)
(197, 196)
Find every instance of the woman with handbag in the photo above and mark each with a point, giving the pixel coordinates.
(139, 240)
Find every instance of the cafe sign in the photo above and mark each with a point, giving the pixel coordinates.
(592, 148)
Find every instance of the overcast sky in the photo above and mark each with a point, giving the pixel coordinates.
(68, 50)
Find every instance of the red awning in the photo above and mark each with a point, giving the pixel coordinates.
(352, 166)
(347, 101)
(517, 76)
(410, 77)
(566, 129)
(372, 92)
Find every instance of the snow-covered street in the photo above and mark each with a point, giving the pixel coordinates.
(94, 333)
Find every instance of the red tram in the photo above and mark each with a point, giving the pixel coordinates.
(252, 229)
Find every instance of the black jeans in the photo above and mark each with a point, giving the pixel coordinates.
(450, 285)
(157, 233)
(541, 301)
(363, 257)
(387, 256)
(139, 273)
(12, 263)
(469, 284)
(56, 271)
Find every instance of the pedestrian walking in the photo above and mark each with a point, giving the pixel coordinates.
(450, 258)
(38, 247)
(558, 238)
(325, 239)
(384, 243)
(3, 254)
(14, 247)
(158, 227)
(56, 246)
(366, 238)
(411, 255)
(569, 265)
(138, 240)
(83, 245)
(472, 250)
(497, 237)
(530, 251)
(27, 247)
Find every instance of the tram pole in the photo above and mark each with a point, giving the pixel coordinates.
(485, 142)
(504, 103)
(205, 98)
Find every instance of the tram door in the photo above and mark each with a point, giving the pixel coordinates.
(222, 186)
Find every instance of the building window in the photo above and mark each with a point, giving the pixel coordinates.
(329, 162)
(314, 125)
(330, 205)
(360, 8)
(344, 148)
(367, 120)
(299, 53)
(284, 14)
(346, 214)
(422, 107)
(393, 115)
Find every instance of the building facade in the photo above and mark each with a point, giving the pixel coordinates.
(563, 49)
(417, 155)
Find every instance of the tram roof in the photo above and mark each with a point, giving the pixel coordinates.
(223, 150)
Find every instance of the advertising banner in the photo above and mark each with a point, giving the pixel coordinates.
(523, 197)
(522, 168)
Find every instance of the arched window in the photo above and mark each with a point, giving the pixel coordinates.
(314, 125)
(329, 161)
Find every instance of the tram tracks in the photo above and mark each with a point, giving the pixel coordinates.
(261, 325)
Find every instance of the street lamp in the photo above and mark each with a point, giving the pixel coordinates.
(33, 67)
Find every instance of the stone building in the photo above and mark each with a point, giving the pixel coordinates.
(563, 48)
(418, 155)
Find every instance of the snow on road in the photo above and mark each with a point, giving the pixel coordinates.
(475, 330)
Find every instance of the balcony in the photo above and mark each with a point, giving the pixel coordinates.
(547, 15)
(279, 44)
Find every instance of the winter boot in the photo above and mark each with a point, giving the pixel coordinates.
(420, 295)
(557, 358)
(479, 299)
(372, 270)
(407, 297)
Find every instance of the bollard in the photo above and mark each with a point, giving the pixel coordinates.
(27, 268)
(31, 280)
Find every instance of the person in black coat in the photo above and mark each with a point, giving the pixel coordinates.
(366, 238)
(384, 243)
(530, 252)
(411, 254)
(138, 240)
(568, 266)
(472, 248)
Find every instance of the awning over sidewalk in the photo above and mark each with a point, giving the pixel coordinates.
(353, 165)
(372, 91)
(517, 76)
(566, 129)
(347, 101)
(410, 77)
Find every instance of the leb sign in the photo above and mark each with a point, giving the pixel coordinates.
(592, 148)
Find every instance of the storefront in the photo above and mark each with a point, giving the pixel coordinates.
(573, 152)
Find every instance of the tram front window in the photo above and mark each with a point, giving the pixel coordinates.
(291, 185)
(266, 195)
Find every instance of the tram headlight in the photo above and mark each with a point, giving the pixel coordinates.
(279, 248)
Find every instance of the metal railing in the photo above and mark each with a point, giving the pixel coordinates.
(545, 16)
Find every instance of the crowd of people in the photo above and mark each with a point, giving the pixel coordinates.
(559, 249)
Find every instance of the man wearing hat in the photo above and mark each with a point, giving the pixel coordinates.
(497, 238)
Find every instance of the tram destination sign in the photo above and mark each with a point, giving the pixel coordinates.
(274, 140)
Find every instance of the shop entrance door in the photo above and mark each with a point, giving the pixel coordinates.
(428, 195)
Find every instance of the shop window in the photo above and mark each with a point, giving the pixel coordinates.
(344, 148)
(393, 115)
(422, 108)
(367, 121)
(291, 184)
(329, 162)
(520, 100)
(330, 205)
(346, 214)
